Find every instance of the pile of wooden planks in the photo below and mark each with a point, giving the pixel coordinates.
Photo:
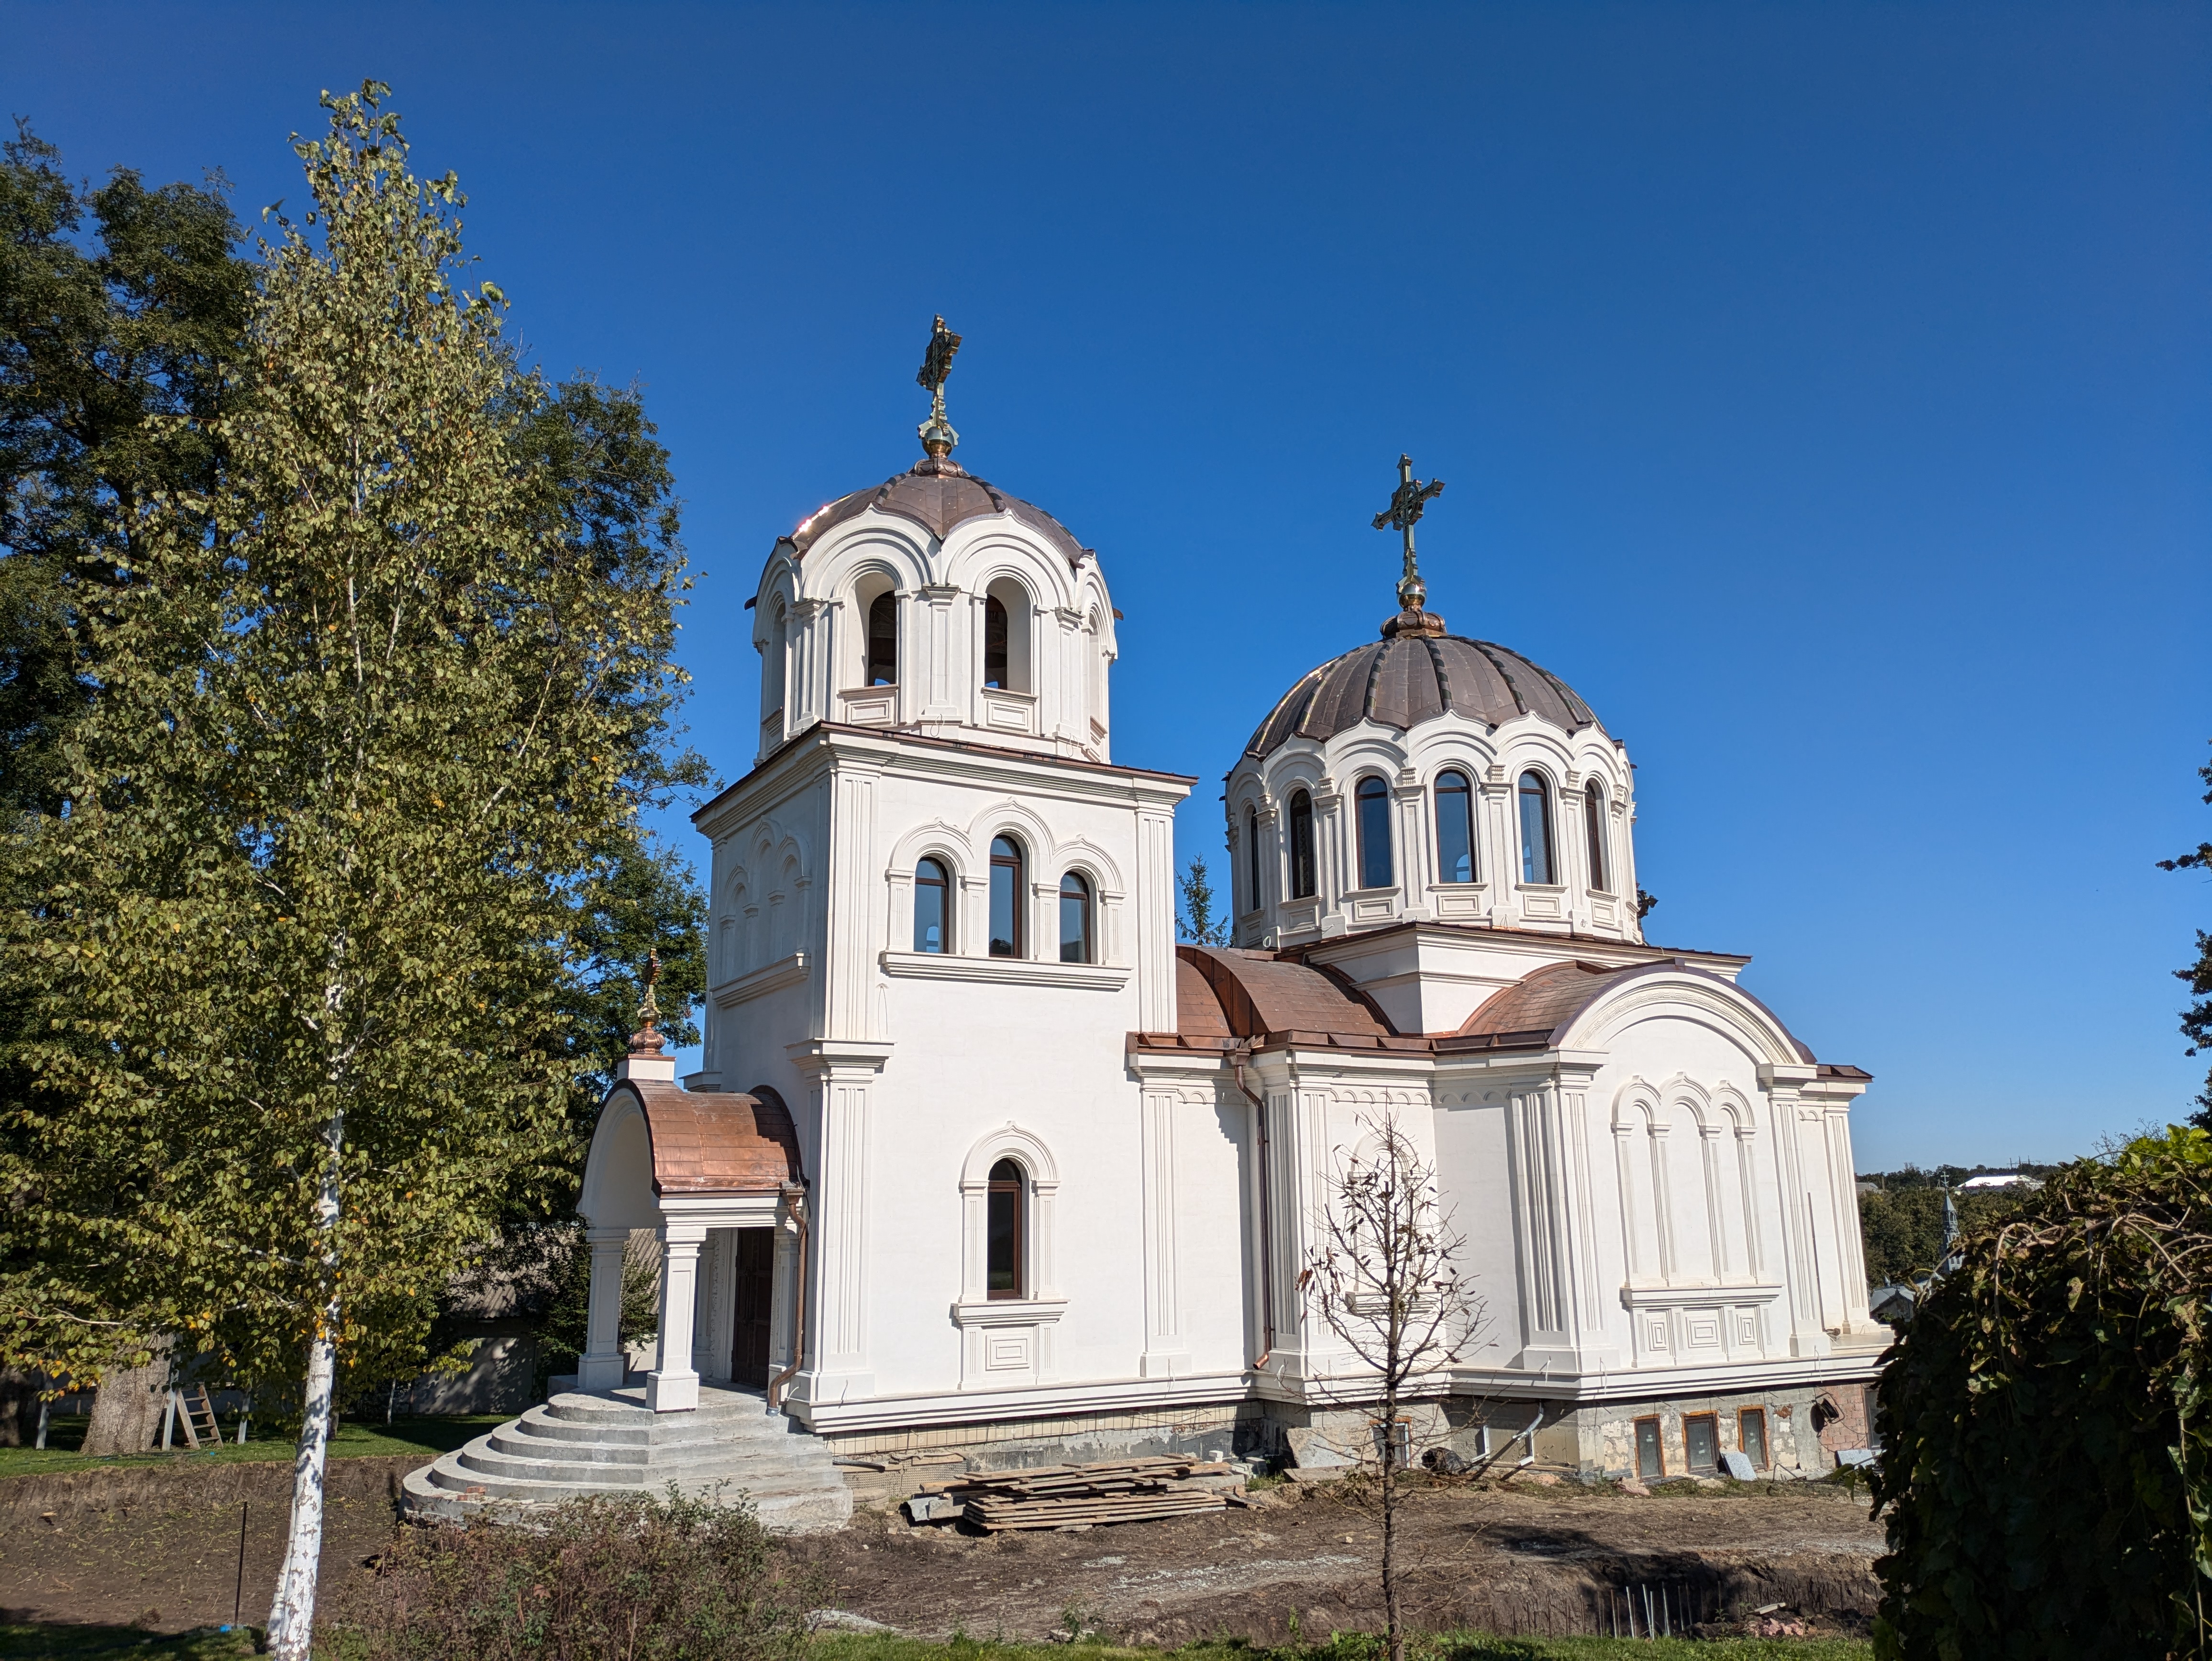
(1079, 1496)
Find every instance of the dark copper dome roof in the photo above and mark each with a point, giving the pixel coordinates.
(936, 494)
(1412, 678)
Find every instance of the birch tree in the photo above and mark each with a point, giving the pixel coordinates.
(1384, 1276)
(366, 724)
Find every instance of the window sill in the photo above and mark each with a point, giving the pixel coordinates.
(1004, 971)
(1008, 1311)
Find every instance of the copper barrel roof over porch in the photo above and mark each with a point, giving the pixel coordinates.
(715, 1142)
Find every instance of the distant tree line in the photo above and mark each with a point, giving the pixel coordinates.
(1902, 1220)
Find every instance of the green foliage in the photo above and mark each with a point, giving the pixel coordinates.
(1903, 1227)
(370, 734)
(565, 1330)
(1198, 923)
(2196, 1019)
(2045, 1426)
(630, 1578)
(122, 310)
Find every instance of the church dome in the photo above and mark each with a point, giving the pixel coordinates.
(1415, 675)
(937, 494)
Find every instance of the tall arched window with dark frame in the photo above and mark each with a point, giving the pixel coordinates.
(1253, 899)
(1455, 827)
(1006, 1231)
(1371, 801)
(882, 639)
(1303, 871)
(933, 908)
(1537, 867)
(1075, 919)
(1007, 903)
(1593, 833)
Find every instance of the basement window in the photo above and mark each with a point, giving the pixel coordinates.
(1701, 1441)
(1650, 1462)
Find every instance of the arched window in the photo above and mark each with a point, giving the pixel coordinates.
(1454, 828)
(1074, 919)
(1252, 890)
(1535, 829)
(995, 641)
(1006, 1231)
(1006, 636)
(1301, 846)
(772, 670)
(1593, 833)
(883, 640)
(1006, 897)
(1373, 798)
(933, 908)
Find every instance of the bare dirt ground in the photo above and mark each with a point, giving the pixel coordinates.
(159, 1547)
(1510, 1559)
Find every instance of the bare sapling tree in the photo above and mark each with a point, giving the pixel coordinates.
(1384, 1276)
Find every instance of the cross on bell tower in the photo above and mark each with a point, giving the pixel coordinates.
(1407, 502)
(938, 437)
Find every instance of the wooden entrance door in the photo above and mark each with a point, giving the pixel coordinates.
(749, 1352)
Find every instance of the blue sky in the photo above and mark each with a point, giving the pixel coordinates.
(1824, 392)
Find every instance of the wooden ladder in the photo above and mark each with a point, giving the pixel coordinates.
(196, 1414)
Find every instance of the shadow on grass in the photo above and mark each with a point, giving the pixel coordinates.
(82, 1643)
(424, 1439)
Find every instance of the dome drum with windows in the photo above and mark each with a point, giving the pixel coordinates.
(1428, 776)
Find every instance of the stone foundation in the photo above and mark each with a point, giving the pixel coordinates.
(1599, 1440)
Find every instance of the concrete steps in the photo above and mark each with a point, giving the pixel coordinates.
(607, 1442)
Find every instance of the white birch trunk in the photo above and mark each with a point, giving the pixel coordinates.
(292, 1615)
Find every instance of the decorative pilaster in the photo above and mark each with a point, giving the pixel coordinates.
(1783, 1086)
(945, 660)
(1166, 1353)
(1499, 857)
(1331, 855)
(1156, 959)
(672, 1386)
(839, 1078)
(601, 1367)
(852, 886)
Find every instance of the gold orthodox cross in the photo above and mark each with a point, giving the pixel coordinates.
(938, 437)
(1406, 503)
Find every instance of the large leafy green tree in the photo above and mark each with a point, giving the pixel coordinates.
(124, 311)
(366, 745)
(116, 304)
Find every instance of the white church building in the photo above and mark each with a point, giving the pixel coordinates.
(978, 1159)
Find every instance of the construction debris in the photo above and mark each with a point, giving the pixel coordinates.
(1080, 1496)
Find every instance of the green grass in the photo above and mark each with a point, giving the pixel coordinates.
(425, 1437)
(82, 1643)
(1446, 1646)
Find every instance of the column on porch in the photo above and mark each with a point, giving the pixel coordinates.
(672, 1386)
(601, 1367)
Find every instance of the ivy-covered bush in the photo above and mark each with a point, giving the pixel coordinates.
(2046, 1466)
